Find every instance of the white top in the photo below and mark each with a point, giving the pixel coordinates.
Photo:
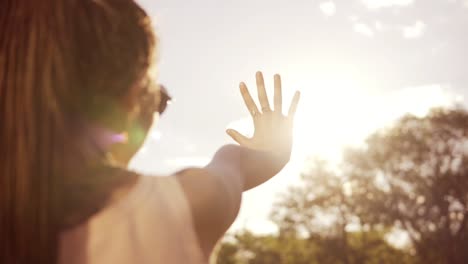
(151, 224)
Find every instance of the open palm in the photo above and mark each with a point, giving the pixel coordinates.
(273, 129)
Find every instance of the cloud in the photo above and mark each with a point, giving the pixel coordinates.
(353, 18)
(376, 4)
(363, 29)
(379, 26)
(414, 31)
(190, 147)
(328, 8)
(183, 162)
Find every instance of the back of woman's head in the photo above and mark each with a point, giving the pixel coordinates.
(63, 63)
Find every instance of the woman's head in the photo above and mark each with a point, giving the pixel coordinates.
(63, 64)
(107, 48)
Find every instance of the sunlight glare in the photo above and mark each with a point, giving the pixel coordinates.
(338, 112)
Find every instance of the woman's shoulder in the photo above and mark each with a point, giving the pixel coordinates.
(154, 214)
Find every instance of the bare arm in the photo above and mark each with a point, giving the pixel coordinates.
(214, 192)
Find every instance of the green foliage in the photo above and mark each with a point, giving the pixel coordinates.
(246, 248)
(273, 249)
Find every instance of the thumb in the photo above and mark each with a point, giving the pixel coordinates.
(238, 137)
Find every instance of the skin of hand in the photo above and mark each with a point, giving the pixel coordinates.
(272, 138)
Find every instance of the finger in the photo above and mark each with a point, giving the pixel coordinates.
(294, 103)
(262, 95)
(278, 98)
(249, 102)
(238, 137)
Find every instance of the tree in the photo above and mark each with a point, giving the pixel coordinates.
(247, 248)
(322, 211)
(417, 178)
(411, 176)
(317, 209)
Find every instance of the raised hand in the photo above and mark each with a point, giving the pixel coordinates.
(273, 129)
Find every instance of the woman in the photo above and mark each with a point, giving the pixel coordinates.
(76, 101)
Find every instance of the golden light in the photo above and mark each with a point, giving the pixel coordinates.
(336, 113)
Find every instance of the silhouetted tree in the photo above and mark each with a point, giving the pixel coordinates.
(414, 176)
(318, 208)
(322, 211)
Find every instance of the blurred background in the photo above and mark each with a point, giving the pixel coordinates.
(376, 175)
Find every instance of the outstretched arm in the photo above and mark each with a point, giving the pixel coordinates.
(214, 192)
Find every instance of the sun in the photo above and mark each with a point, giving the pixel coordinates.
(340, 112)
(333, 113)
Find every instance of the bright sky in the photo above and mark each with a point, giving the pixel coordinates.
(359, 64)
